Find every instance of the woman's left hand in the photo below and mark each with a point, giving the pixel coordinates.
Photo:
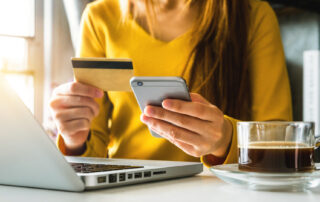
(197, 127)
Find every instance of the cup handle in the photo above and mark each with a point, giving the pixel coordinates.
(317, 141)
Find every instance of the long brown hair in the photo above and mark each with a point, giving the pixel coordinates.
(219, 58)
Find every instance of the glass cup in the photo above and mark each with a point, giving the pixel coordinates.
(276, 146)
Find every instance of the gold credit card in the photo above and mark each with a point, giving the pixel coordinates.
(104, 73)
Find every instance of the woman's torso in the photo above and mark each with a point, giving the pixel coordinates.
(129, 137)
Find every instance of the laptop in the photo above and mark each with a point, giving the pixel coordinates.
(30, 158)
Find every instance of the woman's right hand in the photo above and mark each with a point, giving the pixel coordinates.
(73, 107)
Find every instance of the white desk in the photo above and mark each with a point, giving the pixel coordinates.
(201, 188)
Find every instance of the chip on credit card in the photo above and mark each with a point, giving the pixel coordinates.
(104, 73)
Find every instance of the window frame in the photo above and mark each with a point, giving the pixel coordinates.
(35, 59)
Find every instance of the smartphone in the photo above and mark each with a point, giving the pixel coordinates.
(153, 90)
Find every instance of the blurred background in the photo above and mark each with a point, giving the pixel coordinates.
(38, 38)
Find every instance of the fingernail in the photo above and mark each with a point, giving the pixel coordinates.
(144, 119)
(149, 111)
(167, 104)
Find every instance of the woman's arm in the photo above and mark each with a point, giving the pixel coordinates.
(92, 45)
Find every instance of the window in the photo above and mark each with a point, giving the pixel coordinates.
(13, 63)
(17, 18)
(21, 48)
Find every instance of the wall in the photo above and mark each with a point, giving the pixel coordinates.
(300, 31)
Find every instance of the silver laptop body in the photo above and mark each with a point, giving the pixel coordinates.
(28, 157)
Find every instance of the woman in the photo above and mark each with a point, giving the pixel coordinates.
(229, 52)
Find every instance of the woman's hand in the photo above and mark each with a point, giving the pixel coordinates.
(197, 127)
(73, 107)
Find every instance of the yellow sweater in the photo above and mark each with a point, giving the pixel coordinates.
(117, 131)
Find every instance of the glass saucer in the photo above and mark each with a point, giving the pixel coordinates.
(298, 181)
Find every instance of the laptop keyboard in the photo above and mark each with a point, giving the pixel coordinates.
(91, 168)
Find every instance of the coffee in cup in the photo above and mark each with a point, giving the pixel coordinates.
(274, 156)
(276, 146)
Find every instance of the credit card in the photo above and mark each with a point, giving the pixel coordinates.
(104, 73)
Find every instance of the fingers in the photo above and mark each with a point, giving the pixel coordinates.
(196, 109)
(76, 88)
(71, 114)
(73, 107)
(171, 132)
(74, 126)
(196, 127)
(64, 101)
(195, 97)
(184, 121)
(184, 139)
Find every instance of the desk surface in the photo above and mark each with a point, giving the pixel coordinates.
(203, 187)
